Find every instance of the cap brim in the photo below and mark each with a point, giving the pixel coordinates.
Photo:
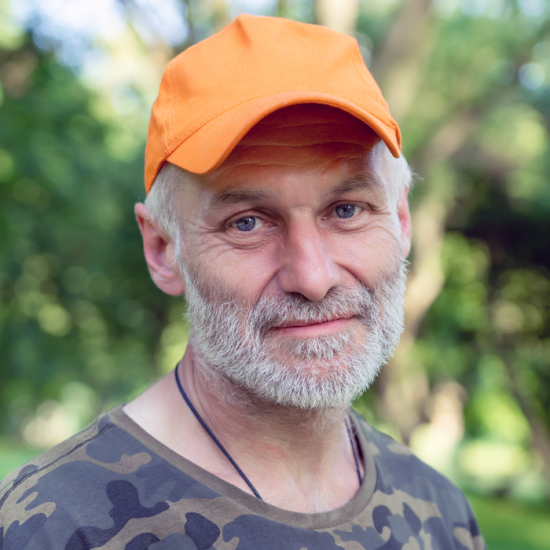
(209, 146)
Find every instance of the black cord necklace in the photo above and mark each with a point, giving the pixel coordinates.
(222, 448)
(214, 438)
(354, 452)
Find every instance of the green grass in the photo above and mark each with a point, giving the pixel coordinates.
(508, 525)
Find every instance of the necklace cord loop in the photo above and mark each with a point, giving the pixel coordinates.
(214, 438)
(228, 456)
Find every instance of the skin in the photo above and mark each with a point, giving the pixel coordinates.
(290, 173)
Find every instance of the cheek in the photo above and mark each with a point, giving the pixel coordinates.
(241, 272)
(368, 254)
(252, 272)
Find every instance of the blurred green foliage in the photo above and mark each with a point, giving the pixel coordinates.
(76, 301)
(475, 117)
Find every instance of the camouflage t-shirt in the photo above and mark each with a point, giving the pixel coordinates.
(114, 486)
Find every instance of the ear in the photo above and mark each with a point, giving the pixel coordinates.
(159, 254)
(404, 214)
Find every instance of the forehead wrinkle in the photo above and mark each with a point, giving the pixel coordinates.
(299, 137)
(235, 196)
(295, 162)
(294, 154)
(315, 144)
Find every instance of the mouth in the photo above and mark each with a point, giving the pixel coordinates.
(314, 328)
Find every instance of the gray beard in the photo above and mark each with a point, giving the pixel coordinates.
(235, 340)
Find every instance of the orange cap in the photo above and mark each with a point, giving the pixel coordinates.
(215, 91)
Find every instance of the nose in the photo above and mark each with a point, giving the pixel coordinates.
(307, 266)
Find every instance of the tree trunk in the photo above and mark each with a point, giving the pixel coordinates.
(398, 66)
(403, 387)
(339, 15)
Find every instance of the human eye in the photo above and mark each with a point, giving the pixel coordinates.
(346, 211)
(247, 223)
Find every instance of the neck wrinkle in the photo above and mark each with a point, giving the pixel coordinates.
(253, 432)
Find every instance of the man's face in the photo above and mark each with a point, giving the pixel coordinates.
(293, 259)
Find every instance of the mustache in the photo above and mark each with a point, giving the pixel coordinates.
(232, 335)
(342, 301)
(359, 300)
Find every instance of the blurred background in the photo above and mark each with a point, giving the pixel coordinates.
(83, 328)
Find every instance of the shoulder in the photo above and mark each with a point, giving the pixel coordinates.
(425, 495)
(91, 488)
(26, 474)
(58, 483)
(398, 467)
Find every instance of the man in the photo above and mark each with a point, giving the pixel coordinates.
(277, 203)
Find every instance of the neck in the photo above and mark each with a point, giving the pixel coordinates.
(239, 416)
(296, 459)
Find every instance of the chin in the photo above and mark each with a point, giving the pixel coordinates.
(308, 383)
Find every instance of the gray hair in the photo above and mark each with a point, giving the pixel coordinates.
(165, 198)
(401, 177)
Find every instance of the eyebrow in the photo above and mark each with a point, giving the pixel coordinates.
(359, 182)
(231, 196)
(237, 196)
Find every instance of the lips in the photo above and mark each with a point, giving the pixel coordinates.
(296, 324)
